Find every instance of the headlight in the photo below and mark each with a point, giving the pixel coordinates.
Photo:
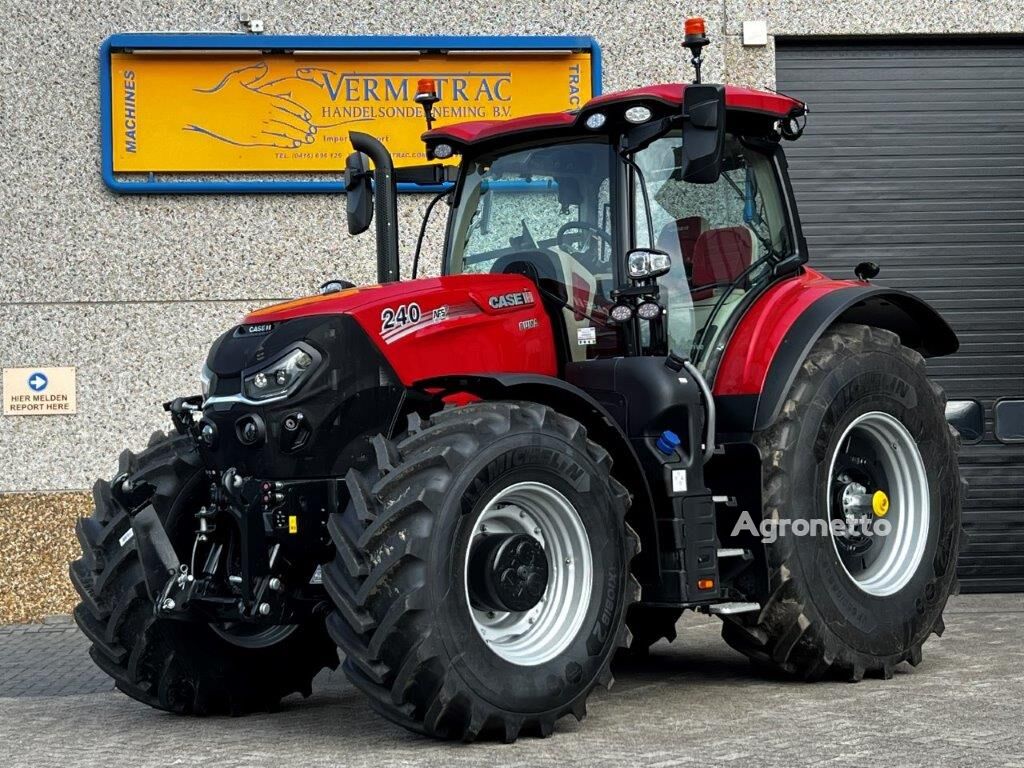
(638, 115)
(281, 377)
(621, 313)
(643, 263)
(648, 310)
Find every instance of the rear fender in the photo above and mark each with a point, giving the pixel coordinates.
(775, 336)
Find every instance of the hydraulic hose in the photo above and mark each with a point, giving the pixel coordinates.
(709, 427)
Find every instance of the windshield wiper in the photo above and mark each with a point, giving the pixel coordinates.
(647, 200)
(697, 351)
(571, 308)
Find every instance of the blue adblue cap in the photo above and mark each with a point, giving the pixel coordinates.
(668, 442)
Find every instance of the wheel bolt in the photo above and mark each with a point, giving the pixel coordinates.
(168, 604)
(275, 584)
(568, 561)
(490, 614)
(264, 609)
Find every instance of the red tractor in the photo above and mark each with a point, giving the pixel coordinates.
(627, 395)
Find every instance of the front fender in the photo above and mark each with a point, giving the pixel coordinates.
(774, 337)
(572, 401)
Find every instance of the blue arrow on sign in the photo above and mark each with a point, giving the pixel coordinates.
(37, 381)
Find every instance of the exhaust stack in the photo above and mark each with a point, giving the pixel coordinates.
(385, 204)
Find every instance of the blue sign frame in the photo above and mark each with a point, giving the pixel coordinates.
(276, 43)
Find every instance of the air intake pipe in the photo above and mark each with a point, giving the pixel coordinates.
(385, 204)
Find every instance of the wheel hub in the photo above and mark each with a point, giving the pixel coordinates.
(528, 573)
(507, 572)
(855, 511)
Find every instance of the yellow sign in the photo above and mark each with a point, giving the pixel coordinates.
(39, 391)
(238, 112)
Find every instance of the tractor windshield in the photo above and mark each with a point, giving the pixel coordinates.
(545, 212)
(722, 237)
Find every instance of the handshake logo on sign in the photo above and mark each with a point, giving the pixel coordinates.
(275, 108)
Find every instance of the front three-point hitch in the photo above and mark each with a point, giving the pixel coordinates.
(255, 551)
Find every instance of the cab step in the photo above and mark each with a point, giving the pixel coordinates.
(734, 552)
(728, 609)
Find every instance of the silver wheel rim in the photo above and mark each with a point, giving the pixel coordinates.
(896, 456)
(532, 637)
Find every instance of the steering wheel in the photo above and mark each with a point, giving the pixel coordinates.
(579, 233)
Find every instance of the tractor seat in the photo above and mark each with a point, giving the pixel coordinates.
(537, 265)
(679, 238)
(720, 256)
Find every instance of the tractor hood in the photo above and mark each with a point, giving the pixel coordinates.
(294, 381)
(435, 326)
(347, 301)
(420, 328)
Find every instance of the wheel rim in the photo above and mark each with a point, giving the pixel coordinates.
(877, 453)
(537, 635)
(244, 634)
(249, 636)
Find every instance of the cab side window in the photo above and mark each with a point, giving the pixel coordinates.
(721, 236)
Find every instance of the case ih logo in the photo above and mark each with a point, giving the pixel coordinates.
(509, 300)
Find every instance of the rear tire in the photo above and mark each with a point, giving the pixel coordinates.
(183, 667)
(847, 614)
(412, 642)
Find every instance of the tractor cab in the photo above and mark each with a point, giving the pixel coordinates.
(635, 251)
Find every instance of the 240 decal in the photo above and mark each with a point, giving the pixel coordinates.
(392, 318)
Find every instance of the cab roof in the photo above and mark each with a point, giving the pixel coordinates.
(759, 109)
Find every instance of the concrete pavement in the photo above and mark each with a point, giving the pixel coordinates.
(694, 702)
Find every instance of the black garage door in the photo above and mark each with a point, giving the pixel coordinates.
(914, 158)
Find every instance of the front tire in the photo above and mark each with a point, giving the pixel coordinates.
(415, 617)
(861, 414)
(184, 667)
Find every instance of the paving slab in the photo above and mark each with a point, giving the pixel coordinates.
(694, 702)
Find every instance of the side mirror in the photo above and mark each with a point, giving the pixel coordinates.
(359, 193)
(703, 133)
